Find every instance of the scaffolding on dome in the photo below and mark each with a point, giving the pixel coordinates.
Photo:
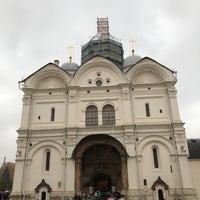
(103, 44)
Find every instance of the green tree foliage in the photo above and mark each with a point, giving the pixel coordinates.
(5, 182)
(6, 176)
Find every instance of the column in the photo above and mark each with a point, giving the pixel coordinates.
(78, 166)
(124, 173)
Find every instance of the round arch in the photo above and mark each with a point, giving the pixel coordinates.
(91, 140)
(91, 104)
(155, 138)
(45, 144)
(150, 71)
(100, 163)
(93, 66)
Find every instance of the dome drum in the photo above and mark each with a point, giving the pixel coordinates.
(106, 48)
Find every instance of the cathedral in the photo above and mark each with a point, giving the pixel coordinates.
(110, 123)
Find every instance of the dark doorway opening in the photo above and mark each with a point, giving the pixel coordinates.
(101, 168)
(160, 195)
(102, 182)
(43, 196)
(100, 154)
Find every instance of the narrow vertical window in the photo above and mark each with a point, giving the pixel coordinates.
(108, 114)
(145, 182)
(155, 157)
(147, 109)
(47, 161)
(171, 169)
(91, 116)
(52, 114)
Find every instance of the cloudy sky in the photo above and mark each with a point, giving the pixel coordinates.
(34, 33)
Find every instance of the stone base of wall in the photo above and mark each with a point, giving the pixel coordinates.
(18, 196)
(34, 196)
(147, 194)
(171, 194)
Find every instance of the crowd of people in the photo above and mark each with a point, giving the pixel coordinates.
(100, 195)
(4, 195)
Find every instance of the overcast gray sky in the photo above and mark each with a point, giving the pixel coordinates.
(34, 33)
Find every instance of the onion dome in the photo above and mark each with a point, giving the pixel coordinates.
(70, 67)
(131, 60)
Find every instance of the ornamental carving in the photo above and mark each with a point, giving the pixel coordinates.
(158, 182)
(51, 80)
(43, 184)
(129, 139)
(71, 141)
(147, 75)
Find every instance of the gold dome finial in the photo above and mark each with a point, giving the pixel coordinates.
(70, 53)
(133, 46)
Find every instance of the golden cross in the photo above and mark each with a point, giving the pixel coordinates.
(70, 52)
(133, 45)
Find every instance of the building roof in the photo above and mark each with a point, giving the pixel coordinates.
(70, 67)
(131, 60)
(194, 148)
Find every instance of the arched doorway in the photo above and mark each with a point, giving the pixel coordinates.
(43, 195)
(160, 195)
(100, 162)
(43, 190)
(101, 168)
(160, 187)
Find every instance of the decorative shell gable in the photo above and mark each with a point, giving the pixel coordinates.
(48, 77)
(148, 72)
(147, 75)
(50, 80)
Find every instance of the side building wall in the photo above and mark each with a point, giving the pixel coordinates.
(194, 166)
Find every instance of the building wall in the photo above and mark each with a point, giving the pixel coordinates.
(194, 167)
(138, 133)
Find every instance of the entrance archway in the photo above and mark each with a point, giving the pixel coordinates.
(100, 163)
(101, 168)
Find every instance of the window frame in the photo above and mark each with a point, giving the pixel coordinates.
(156, 163)
(47, 160)
(53, 111)
(108, 115)
(147, 109)
(91, 116)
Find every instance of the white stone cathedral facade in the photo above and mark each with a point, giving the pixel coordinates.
(110, 123)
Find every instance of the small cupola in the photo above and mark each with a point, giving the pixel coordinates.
(132, 59)
(70, 67)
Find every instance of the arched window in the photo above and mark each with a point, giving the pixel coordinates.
(147, 108)
(160, 195)
(91, 116)
(47, 165)
(43, 196)
(155, 157)
(52, 114)
(108, 115)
